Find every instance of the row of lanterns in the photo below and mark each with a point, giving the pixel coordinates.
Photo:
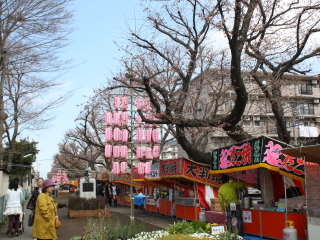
(122, 118)
(117, 151)
(122, 103)
(121, 135)
(143, 168)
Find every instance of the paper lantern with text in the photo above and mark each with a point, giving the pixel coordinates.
(148, 154)
(116, 118)
(125, 135)
(124, 102)
(156, 151)
(108, 151)
(148, 133)
(155, 135)
(123, 167)
(115, 168)
(124, 151)
(116, 151)
(116, 102)
(147, 168)
(139, 152)
(108, 134)
(141, 168)
(116, 134)
(124, 118)
(139, 135)
(108, 118)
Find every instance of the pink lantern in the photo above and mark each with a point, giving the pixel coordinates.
(124, 101)
(141, 168)
(116, 118)
(123, 167)
(108, 134)
(148, 133)
(156, 152)
(116, 134)
(147, 104)
(139, 120)
(115, 168)
(116, 151)
(148, 153)
(116, 103)
(155, 135)
(147, 168)
(139, 152)
(125, 135)
(124, 118)
(139, 103)
(108, 151)
(139, 135)
(108, 118)
(124, 151)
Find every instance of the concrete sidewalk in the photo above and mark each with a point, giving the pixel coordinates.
(146, 216)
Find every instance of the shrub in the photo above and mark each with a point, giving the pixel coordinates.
(78, 203)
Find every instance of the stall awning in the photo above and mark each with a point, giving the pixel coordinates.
(187, 169)
(310, 153)
(258, 152)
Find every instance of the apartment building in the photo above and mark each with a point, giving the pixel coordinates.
(300, 99)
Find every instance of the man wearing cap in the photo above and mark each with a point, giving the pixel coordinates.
(45, 213)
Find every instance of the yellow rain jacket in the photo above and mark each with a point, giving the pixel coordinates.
(45, 214)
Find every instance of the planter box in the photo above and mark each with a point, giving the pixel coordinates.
(64, 193)
(89, 213)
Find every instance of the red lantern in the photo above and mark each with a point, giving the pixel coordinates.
(139, 152)
(148, 133)
(139, 135)
(116, 118)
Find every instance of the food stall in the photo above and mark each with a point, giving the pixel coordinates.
(184, 175)
(275, 170)
(311, 154)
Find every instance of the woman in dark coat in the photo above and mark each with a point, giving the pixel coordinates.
(112, 193)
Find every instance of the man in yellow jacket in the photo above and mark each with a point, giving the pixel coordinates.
(45, 213)
(228, 196)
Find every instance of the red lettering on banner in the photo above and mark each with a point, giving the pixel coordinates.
(246, 155)
(300, 163)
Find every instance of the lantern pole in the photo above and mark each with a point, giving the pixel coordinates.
(131, 163)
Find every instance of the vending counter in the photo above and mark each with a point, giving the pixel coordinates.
(165, 207)
(187, 208)
(270, 224)
(151, 205)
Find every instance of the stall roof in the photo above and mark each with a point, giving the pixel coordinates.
(311, 153)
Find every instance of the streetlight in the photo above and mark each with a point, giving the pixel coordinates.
(21, 173)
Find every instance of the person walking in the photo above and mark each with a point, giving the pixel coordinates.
(229, 201)
(45, 213)
(32, 201)
(112, 193)
(14, 198)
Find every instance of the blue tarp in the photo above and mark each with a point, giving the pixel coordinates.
(139, 200)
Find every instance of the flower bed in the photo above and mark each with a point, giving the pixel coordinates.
(89, 213)
(83, 207)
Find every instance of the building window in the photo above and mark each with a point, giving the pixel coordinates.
(307, 108)
(268, 107)
(272, 130)
(306, 89)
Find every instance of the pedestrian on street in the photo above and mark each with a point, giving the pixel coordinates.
(112, 193)
(14, 198)
(32, 201)
(228, 198)
(45, 213)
